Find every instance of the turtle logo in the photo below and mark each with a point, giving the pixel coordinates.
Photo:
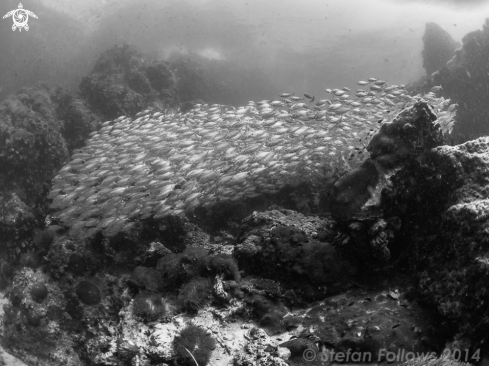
(20, 17)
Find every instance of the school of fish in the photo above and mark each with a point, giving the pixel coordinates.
(164, 162)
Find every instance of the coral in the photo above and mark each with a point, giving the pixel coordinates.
(31, 259)
(42, 240)
(33, 147)
(16, 217)
(147, 278)
(148, 306)
(39, 291)
(54, 312)
(218, 290)
(260, 304)
(171, 268)
(181, 267)
(31, 317)
(88, 293)
(195, 260)
(225, 264)
(74, 309)
(257, 351)
(16, 296)
(78, 120)
(195, 294)
(76, 264)
(195, 340)
(292, 240)
(292, 234)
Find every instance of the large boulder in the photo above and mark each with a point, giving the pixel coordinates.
(465, 80)
(455, 269)
(439, 47)
(358, 198)
(408, 137)
(442, 206)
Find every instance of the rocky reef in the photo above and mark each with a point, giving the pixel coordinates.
(359, 197)
(441, 207)
(124, 81)
(438, 48)
(357, 268)
(148, 295)
(39, 127)
(454, 275)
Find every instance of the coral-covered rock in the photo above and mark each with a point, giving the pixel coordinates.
(16, 218)
(298, 247)
(35, 139)
(148, 306)
(88, 293)
(358, 199)
(456, 263)
(409, 136)
(226, 265)
(124, 81)
(195, 294)
(37, 126)
(78, 120)
(257, 351)
(147, 278)
(39, 291)
(36, 324)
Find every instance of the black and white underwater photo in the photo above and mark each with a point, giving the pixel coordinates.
(244, 182)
